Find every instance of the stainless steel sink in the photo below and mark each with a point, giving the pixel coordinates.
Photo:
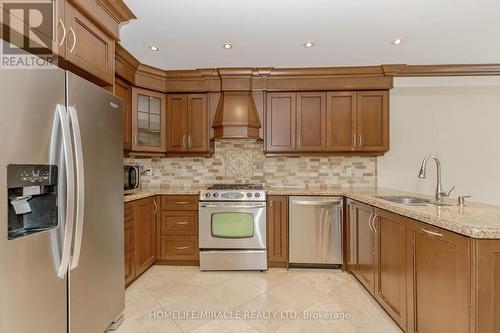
(411, 201)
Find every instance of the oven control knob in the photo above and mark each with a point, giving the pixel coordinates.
(207, 195)
(249, 195)
(216, 195)
(257, 195)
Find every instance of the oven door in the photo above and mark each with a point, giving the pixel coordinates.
(232, 225)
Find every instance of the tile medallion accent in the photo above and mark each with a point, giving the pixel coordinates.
(239, 163)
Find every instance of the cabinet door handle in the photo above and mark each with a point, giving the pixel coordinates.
(156, 208)
(373, 222)
(184, 141)
(181, 247)
(182, 223)
(433, 233)
(74, 40)
(360, 140)
(64, 32)
(370, 221)
(354, 139)
(182, 203)
(299, 140)
(189, 141)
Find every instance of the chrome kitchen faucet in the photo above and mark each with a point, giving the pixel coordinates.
(440, 194)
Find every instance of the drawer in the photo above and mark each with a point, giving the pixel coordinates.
(179, 223)
(129, 239)
(129, 211)
(179, 247)
(179, 202)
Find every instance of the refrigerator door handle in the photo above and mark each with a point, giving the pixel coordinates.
(70, 191)
(80, 187)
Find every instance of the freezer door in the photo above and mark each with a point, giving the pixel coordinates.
(96, 285)
(315, 230)
(32, 295)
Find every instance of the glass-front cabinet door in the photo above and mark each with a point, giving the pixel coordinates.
(148, 120)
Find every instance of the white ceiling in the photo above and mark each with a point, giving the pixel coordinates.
(190, 33)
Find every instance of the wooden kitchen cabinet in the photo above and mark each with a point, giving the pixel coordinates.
(187, 123)
(129, 242)
(87, 46)
(277, 231)
(341, 121)
(281, 122)
(365, 264)
(327, 122)
(390, 254)
(148, 121)
(439, 280)
(372, 121)
(178, 230)
(145, 233)
(311, 121)
(124, 91)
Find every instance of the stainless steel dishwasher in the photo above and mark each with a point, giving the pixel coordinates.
(315, 231)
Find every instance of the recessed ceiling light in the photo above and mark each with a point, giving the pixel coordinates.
(154, 48)
(397, 41)
(308, 44)
(227, 46)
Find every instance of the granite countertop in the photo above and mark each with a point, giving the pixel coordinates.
(474, 219)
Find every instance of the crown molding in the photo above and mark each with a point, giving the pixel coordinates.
(126, 64)
(442, 70)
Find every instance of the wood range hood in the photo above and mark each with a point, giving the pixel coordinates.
(236, 116)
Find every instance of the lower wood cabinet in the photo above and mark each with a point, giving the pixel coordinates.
(391, 264)
(139, 237)
(377, 256)
(145, 234)
(277, 231)
(427, 279)
(364, 267)
(439, 282)
(178, 229)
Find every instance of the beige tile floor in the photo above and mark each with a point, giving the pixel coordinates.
(172, 290)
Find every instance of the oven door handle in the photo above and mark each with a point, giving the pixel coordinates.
(232, 206)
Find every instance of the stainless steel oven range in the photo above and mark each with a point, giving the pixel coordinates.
(232, 227)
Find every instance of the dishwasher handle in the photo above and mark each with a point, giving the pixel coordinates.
(315, 203)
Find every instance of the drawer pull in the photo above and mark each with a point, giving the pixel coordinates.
(181, 247)
(432, 233)
(182, 203)
(182, 223)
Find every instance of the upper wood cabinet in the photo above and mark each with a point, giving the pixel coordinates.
(341, 121)
(87, 46)
(311, 121)
(187, 123)
(372, 121)
(277, 231)
(327, 122)
(281, 122)
(148, 121)
(124, 91)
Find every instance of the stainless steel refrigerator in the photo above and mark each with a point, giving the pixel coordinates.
(61, 204)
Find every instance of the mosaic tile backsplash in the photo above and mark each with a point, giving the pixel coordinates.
(244, 161)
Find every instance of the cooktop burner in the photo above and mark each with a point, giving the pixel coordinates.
(247, 187)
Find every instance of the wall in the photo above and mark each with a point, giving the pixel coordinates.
(456, 118)
(243, 161)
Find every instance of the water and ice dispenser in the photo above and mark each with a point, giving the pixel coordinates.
(32, 195)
